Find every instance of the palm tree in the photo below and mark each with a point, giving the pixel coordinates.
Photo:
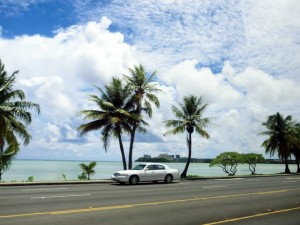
(88, 169)
(143, 89)
(295, 148)
(281, 134)
(6, 157)
(114, 117)
(14, 118)
(296, 153)
(189, 116)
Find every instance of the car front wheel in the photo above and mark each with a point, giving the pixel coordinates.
(134, 180)
(169, 179)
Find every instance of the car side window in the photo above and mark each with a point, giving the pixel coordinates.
(139, 167)
(151, 167)
(160, 167)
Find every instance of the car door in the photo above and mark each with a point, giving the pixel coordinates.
(149, 173)
(160, 172)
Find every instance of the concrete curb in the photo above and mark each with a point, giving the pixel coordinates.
(55, 182)
(244, 176)
(108, 181)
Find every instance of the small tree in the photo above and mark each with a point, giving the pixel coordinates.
(252, 159)
(228, 161)
(82, 176)
(87, 170)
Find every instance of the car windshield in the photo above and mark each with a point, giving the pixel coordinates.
(139, 167)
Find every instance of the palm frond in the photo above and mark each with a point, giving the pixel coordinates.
(176, 130)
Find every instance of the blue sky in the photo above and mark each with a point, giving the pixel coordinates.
(35, 18)
(241, 56)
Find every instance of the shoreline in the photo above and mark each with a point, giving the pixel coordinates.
(58, 171)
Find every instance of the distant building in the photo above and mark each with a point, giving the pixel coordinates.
(177, 156)
(165, 156)
(147, 156)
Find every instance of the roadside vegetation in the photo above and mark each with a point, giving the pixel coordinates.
(88, 170)
(229, 161)
(252, 159)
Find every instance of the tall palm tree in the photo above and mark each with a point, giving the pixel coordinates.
(88, 169)
(114, 117)
(189, 116)
(14, 118)
(143, 88)
(281, 135)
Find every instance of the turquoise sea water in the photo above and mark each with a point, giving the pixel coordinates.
(42, 170)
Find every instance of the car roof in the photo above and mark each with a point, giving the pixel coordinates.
(147, 164)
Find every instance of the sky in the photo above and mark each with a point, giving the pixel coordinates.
(241, 56)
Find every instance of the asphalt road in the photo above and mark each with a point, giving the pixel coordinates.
(259, 201)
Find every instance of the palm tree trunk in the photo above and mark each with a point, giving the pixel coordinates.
(132, 135)
(1, 153)
(183, 174)
(297, 162)
(287, 170)
(139, 110)
(122, 152)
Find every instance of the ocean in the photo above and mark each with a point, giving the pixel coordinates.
(46, 170)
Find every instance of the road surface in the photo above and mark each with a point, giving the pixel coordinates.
(259, 200)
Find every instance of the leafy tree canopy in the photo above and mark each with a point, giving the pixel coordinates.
(228, 161)
(252, 159)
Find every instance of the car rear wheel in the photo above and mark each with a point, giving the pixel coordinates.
(134, 180)
(169, 179)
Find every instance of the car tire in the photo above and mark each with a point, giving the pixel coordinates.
(168, 179)
(134, 180)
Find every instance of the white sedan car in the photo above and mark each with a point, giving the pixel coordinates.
(147, 172)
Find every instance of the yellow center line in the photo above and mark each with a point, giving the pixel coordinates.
(253, 216)
(143, 204)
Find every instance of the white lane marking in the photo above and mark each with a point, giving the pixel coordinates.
(45, 189)
(61, 196)
(293, 178)
(215, 186)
